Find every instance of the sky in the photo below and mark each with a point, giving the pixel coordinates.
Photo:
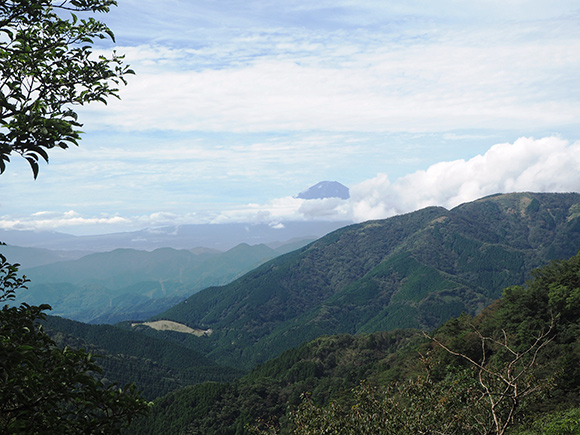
(237, 106)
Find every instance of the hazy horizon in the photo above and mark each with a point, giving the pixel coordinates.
(237, 107)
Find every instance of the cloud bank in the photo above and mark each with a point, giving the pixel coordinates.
(545, 165)
(550, 164)
(420, 77)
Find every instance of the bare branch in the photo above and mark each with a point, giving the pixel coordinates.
(504, 399)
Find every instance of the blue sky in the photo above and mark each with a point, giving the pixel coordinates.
(237, 106)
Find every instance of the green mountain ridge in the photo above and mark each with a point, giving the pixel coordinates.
(123, 267)
(158, 366)
(33, 257)
(413, 270)
(129, 284)
(401, 381)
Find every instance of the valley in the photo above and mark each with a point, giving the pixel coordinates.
(129, 284)
(233, 340)
(410, 271)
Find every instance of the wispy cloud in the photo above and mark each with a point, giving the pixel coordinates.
(550, 164)
(237, 102)
(430, 80)
(48, 221)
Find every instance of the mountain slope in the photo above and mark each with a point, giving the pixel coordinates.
(126, 284)
(312, 385)
(32, 257)
(414, 270)
(156, 365)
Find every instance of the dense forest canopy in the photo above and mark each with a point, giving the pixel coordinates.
(458, 380)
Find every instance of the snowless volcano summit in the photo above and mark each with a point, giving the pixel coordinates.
(326, 189)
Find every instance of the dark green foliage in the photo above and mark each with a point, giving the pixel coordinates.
(557, 423)
(554, 292)
(325, 367)
(155, 365)
(417, 406)
(46, 65)
(415, 270)
(411, 384)
(47, 389)
(175, 413)
(521, 316)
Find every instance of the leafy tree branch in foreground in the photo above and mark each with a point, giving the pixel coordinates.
(48, 390)
(46, 68)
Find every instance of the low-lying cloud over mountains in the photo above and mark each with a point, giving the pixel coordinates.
(549, 164)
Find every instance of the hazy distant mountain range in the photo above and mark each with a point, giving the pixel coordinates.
(32, 257)
(108, 287)
(215, 236)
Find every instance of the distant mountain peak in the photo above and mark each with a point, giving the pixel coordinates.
(326, 189)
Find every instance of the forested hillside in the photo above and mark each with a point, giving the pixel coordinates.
(128, 284)
(155, 365)
(411, 271)
(522, 353)
(383, 281)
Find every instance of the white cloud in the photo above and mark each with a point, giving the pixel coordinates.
(326, 208)
(373, 199)
(47, 221)
(550, 164)
(438, 78)
(273, 212)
